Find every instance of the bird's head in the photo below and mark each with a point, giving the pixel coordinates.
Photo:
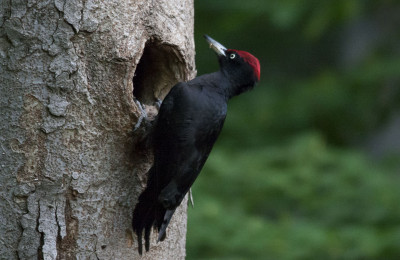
(240, 67)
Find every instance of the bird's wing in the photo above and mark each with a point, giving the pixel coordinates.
(187, 127)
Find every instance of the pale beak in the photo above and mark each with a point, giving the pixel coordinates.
(216, 46)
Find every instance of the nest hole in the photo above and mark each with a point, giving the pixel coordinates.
(158, 70)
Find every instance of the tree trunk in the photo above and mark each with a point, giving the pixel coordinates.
(70, 173)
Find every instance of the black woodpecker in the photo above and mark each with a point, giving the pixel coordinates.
(186, 128)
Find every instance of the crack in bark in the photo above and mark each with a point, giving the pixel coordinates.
(20, 238)
(66, 245)
(95, 247)
(83, 8)
(40, 248)
(59, 237)
(62, 16)
(76, 30)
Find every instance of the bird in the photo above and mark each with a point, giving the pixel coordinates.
(188, 123)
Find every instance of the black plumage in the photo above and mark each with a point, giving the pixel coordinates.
(186, 128)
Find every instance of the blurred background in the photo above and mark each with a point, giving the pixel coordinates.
(308, 163)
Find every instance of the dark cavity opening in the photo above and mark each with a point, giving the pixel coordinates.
(158, 70)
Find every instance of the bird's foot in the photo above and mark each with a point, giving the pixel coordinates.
(142, 116)
(158, 104)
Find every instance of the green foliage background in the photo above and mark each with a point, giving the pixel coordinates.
(290, 176)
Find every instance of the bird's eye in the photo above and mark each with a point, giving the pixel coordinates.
(232, 56)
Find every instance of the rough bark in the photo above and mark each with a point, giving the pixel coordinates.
(70, 173)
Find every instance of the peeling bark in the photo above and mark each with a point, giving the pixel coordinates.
(70, 169)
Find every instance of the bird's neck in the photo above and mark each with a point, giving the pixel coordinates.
(235, 85)
(220, 83)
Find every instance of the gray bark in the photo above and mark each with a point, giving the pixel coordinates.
(70, 174)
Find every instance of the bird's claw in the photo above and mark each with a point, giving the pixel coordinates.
(191, 197)
(143, 115)
(158, 103)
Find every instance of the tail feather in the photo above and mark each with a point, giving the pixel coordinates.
(144, 218)
(147, 237)
(148, 213)
(140, 243)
